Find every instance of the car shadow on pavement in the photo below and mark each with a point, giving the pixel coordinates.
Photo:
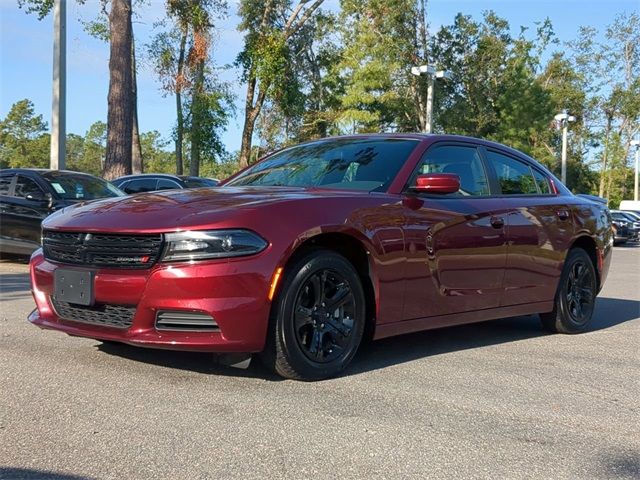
(199, 362)
(391, 351)
(11, 473)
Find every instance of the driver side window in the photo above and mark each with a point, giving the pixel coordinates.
(462, 161)
(27, 187)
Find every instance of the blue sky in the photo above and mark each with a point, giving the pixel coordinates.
(26, 54)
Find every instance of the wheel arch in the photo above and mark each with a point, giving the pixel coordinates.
(589, 245)
(356, 251)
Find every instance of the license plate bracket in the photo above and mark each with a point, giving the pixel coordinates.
(74, 286)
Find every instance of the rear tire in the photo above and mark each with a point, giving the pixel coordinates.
(318, 318)
(575, 297)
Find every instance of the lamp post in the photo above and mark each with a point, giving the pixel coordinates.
(563, 119)
(636, 143)
(58, 104)
(431, 73)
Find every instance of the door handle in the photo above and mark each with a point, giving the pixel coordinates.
(497, 222)
(563, 214)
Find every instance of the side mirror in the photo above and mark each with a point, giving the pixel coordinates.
(437, 183)
(36, 197)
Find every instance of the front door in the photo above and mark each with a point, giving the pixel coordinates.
(23, 212)
(455, 243)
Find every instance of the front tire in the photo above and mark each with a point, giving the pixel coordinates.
(319, 318)
(576, 295)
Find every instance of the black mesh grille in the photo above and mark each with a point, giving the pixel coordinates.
(118, 316)
(104, 250)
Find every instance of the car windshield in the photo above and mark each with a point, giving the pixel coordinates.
(633, 217)
(360, 164)
(194, 182)
(81, 187)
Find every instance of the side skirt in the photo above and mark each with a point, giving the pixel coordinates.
(427, 323)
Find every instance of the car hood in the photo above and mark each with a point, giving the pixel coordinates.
(173, 210)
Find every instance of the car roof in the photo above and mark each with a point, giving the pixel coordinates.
(435, 138)
(431, 137)
(44, 171)
(148, 175)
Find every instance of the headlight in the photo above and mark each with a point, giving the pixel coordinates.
(200, 245)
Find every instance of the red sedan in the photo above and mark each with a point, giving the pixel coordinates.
(313, 249)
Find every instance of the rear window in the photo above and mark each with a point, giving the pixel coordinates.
(542, 182)
(140, 185)
(515, 177)
(199, 182)
(5, 183)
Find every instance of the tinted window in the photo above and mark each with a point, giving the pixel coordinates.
(463, 161)
(141, 185)
(166, 184)
(25, 186)
(542, 181)
(80, 187)
(194, 182)
(367, 164)
(514, 177)
(5, 183)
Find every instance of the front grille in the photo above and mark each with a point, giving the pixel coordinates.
(103, 250)
(106, 315)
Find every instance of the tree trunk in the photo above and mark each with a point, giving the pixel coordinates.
(179, 112)
(136, 149)
(120, 105)
(196, 124)
(247, 129)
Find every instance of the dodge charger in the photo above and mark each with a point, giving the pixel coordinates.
(305, 255)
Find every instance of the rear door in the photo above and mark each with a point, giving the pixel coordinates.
(455, 243)
(539, 227)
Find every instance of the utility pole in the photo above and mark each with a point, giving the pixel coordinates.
(636, 143)
(563, 120)
(58, 104)
(431, 74)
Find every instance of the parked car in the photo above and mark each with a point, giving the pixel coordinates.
(630, 222)
(28, 195)
(634, 216)
(621, 233)
(151, 182)
(316, 247)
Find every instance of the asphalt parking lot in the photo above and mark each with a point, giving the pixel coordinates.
(495, 400)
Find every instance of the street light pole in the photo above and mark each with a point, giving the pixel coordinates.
(432, 74)
(564, 153)
(636, 143)
(564, 118)
(429, 113)
(58, 104)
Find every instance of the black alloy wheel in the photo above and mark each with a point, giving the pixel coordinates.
(318, 317)
(324, 316)
(575, 297)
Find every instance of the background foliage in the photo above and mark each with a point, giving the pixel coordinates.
(311, 73)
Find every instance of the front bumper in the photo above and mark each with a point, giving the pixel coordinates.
(233, 291)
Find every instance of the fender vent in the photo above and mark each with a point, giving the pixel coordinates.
(182, 320)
